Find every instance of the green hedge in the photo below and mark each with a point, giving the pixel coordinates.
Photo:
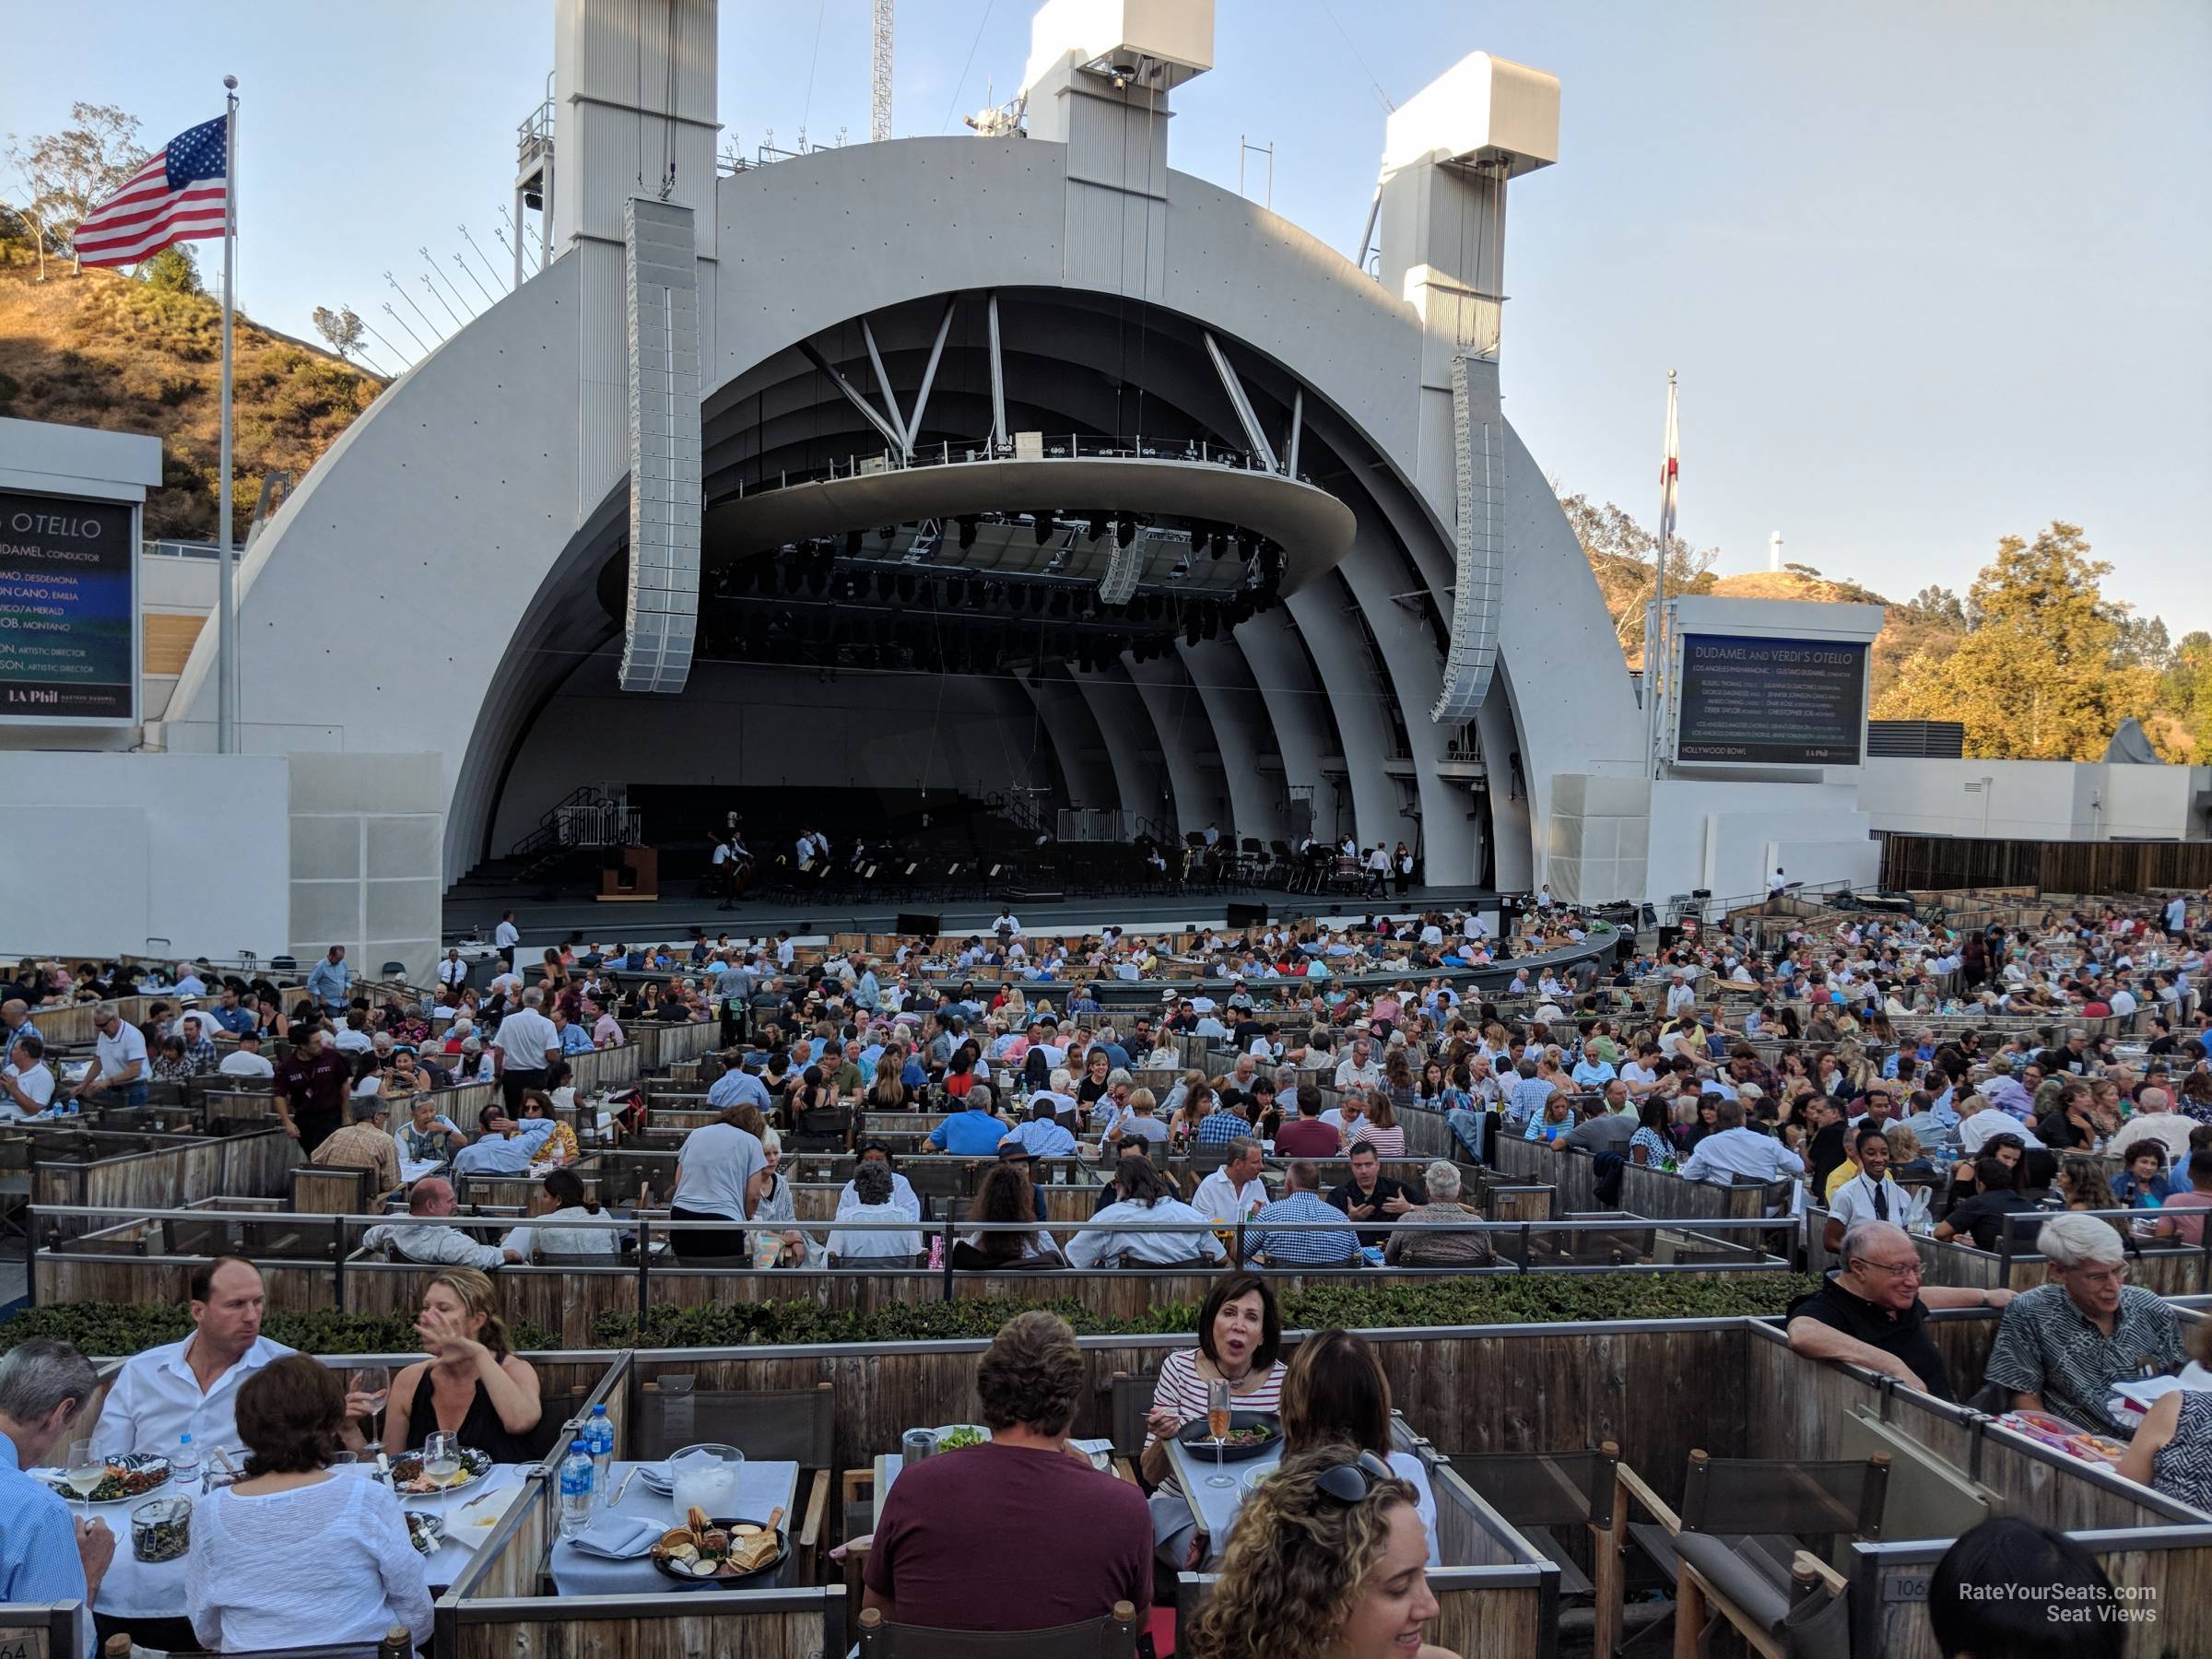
(111, 1328)
(1535, 1298)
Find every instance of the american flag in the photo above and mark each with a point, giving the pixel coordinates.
(179, 196)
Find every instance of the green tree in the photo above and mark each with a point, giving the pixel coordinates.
(72, 171)
(2045, 670)
(175, 268)
(342, 328)
(1940, 604)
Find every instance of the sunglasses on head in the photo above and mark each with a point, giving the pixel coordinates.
(1351, 1483)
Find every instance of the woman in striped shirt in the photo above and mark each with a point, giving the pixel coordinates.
(1240, 1338)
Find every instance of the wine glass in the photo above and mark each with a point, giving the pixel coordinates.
(85, 1471)
(375, 1381)
(441, 1457)
(1216, 1425)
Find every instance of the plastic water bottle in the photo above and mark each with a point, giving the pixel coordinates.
(599, 1437)
(184, 1464)
(575, 1489)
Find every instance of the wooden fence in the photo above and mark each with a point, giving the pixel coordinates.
(1942, 861)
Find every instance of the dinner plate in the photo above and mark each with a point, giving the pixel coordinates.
(1256, 1479)
(149, 1465)
(1200, 1446)
(977, 1429)
(730, 1581)
(475, 1466)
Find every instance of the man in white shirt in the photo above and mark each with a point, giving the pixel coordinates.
(1870, 1195)
(500, 1152)
(2156, 1121)
(1734, 1151)
(190, 1387)
(26, 1081)
(247, 1060)
(1234, 1192)
(521, 1044)
(1988, 1122)
(1681, 997)
(453, 971)
(1359, 1070)
(421, 1239)
(872, 1201)
(505, 937)
(120, 1066)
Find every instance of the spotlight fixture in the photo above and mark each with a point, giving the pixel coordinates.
(1042, 525)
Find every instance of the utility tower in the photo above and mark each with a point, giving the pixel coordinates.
(879, 100)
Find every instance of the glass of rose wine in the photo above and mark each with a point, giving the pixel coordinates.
(1216, 1425)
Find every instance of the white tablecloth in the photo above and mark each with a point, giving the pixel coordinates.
(762, 1487)
(135, 1589)
(1215, 1506)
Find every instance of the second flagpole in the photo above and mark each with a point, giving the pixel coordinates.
(227, 703)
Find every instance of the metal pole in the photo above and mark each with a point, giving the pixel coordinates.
(227, 706)
(1652, 665)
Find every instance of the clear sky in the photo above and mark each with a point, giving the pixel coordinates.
(1931, 271)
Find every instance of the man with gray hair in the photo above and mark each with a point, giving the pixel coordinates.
(1444, 1240)
(364, 1143)
(46, 1555)
(522, 1048)
(1234, 1192)
(1872, 1311)
(422, 1238)
(2156, 1122)
(2062, 1346)
(119, 1061)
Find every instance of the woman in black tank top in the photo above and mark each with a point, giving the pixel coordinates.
(467, 1346)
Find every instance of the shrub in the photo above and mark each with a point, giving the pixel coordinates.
(110, 1329)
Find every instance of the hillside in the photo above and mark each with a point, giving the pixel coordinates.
(1627, 586)
(104, 349)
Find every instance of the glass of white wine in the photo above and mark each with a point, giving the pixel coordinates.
(441, 1458)
(373, 1382)
(86, 1468)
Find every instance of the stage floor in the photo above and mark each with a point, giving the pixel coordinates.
(676, 915)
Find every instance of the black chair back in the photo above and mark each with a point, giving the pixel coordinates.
(1112, 1637)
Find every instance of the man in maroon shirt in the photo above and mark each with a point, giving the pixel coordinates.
(312, 1085)
(979, 1539)
(1306, 1135)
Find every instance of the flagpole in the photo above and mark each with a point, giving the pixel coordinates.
(227, 704)
(1655, 630)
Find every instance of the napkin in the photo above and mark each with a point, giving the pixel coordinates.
(619, 1538)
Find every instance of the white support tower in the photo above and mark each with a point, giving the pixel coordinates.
(879, 96)
(1774, 551)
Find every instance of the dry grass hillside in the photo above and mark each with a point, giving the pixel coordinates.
(1627, 585)
(103, 349)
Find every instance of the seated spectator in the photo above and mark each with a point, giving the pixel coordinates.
(472, 1384)
(1331, 1244)
(1235, 1192)
(1139, 1124)
(1734, 1153)
(1994, 1593)
(871, 1201)
(904, 1199)
(26, 1081)
(2157, 1123)
(1145, 1200)
(1240, 1342)
(46, 1554)
(565, 1200)
(1007, 1194)
(1982, 1218)
(427, 1135)
(1306, 1135)
(504, 1149)
(2143, 1182)
(364, 1143)
(246, 1060)
(2172, 1449)
(2062, 1346)
(1866, 1192)
(558, 1140)
(923, 1565)
(1382, 1129)
(779, 1209)
(1441, 1244)
(190, 1387)
(1370, 1195)
(974, 1130)
(293, 1555)
(1327, 1559)
(1610, 1127)
(1335, 1394)
(2189, 1228)
(1872, 1311)
(1044, 1136)
(422, 1238)
(1554, 1120)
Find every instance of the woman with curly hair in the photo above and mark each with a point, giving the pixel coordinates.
(1327, 1562)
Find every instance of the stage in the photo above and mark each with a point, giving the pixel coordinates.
(475, 911)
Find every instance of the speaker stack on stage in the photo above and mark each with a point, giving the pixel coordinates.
(1241, 916)
(916, 921)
